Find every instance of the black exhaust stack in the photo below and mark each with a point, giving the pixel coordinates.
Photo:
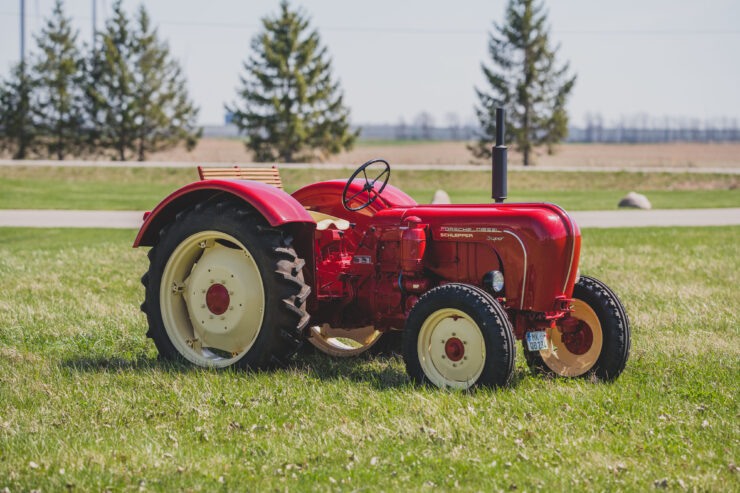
(498, 185)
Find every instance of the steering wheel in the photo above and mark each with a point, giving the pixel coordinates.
(369, 185)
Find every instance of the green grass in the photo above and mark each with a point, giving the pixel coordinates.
(85, 404)
(142, 188)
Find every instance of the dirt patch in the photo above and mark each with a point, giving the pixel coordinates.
(683, 155)
(671, 155)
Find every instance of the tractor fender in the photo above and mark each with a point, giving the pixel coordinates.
(275, 205)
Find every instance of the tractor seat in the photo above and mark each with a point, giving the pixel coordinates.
(323, 221)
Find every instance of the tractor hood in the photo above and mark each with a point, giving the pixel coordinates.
(538, 245)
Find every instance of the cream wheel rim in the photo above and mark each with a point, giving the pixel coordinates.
(451, 349)
(212, 299)
(569, 364)
(343, 342)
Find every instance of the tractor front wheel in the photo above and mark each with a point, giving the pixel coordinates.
(225, 289)
(593, 340)
(458, 336)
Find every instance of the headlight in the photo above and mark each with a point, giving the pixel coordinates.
(493, 281)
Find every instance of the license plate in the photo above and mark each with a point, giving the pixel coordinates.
(537, 341)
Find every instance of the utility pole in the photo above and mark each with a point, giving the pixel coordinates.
(94, 22)
(23, 31)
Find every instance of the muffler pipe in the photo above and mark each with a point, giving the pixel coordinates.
(498, 178)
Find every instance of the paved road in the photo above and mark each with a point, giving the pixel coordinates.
(446, 167)
(659, 217)
(585, 219)
(71, 219)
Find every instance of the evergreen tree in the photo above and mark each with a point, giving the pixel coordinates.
(17, 129)
(59, 81)
(136, 93)
(166, 115)
(110, 87)
(291, 105)
(526, 81)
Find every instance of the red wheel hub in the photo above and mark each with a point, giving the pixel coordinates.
(217, 299)
(454, 349)
(577, 336)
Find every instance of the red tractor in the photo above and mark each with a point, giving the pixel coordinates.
(242, 273)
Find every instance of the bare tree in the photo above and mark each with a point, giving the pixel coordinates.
(589, 127)
(598, 127)
(734, 133)
(453, 124)
(425, 122)
(401, 130)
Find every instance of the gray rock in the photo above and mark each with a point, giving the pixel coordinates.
(441, 197)
(635, 200)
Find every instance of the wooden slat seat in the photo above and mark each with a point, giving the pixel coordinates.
(270, 176)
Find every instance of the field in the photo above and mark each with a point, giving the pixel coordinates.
(86, 405)
(23, 187)
(688, 155)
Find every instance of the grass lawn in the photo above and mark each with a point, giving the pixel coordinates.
(85, 404)
(142, 188)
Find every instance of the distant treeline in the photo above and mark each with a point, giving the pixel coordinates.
(643, 128)
(628, 134)
(627, 130)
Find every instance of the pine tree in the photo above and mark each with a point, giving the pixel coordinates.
(526, 81)
(166, 115)
(17, 130)
(58, 73)
(291, 105)
(110, 88)
(136, 92)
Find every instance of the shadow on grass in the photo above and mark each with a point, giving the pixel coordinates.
(379, 371)
(114, 363)
(382, 371)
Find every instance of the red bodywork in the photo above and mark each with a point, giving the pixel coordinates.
(275, 205)
(406, 249)
(396, 250)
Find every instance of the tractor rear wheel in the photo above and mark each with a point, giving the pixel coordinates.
(594, 340)
(225, 289)
(458, 336)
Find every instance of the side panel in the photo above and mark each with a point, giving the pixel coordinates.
(276, 206)
(462, 261)
(538, 246)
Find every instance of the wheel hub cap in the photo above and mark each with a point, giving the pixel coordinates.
(212, 299)
(451, 348)
(575, 345)
(217, 299)
(579, 340)
(454, 349)
(224, 306)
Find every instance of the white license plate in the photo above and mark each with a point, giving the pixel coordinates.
(537, 341)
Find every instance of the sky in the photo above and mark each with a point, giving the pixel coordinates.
(397, 58)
